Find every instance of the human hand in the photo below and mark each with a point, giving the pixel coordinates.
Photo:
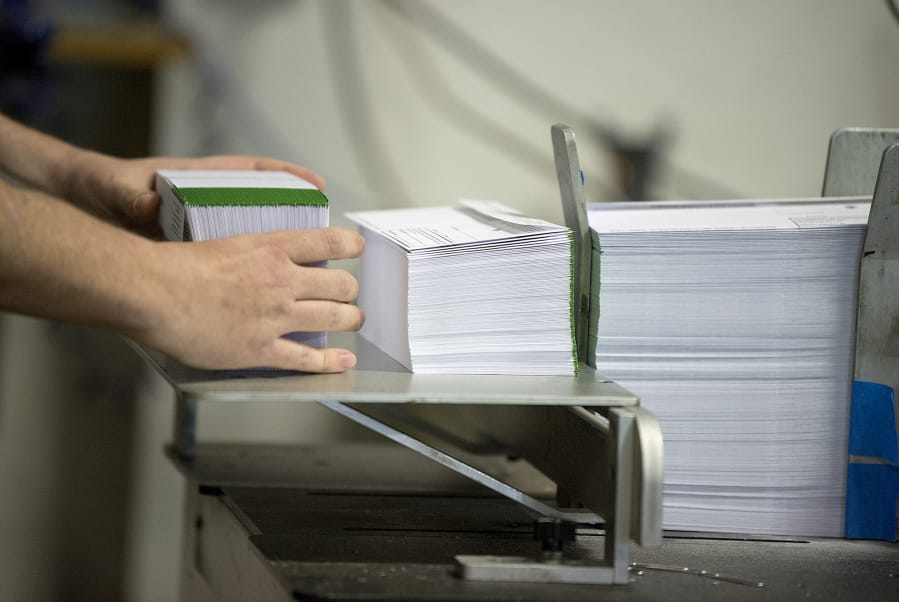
(226, 303)
(122, 190)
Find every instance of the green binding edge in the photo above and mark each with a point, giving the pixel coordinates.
(251, 197)
(572, 321)
(595, 275)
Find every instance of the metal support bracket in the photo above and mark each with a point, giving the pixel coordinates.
(610, 460)
(362, 415)
(620, 472)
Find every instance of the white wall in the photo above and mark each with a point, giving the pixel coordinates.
(752, 90)
(391, 117)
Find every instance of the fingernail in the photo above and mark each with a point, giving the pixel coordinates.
(347, 360)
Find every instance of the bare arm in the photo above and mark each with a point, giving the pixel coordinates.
(217, 304)
(117, 190)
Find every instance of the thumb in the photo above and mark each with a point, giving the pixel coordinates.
(142, 207)
(144, 203)
(140, 213)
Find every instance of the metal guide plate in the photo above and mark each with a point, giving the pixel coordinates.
(377, 378)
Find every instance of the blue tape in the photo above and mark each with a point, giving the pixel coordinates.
(871, 491)
(871, 487)
(872, 422)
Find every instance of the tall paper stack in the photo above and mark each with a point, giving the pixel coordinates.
(734, 323)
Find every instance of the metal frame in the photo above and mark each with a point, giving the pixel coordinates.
(877, 326)
(852, 162)
(606, 462)
(614, 467)
(863, 161)
(609, 460)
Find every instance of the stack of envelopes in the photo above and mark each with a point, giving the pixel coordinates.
(473, 289)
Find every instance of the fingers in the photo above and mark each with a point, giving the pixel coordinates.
(264, 163)
(310, 246)
(311, 316)
(255, 163)
(325, 284)
(289, 355)
(314, 316)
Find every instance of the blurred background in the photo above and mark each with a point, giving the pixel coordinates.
(396, 103)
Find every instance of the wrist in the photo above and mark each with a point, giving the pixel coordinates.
(74, 175)
(155, 299)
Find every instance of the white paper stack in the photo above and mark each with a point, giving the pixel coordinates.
(474, 289)
(207, 204)
(734, 323)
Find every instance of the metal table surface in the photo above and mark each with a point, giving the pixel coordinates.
(377, 522)
(377, 378)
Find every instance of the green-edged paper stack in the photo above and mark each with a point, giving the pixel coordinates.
(734, 324)
(207, 204)
(474, 289)
(202, 205)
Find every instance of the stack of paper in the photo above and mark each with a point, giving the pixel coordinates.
(206, 204)
(475, 289)
(734, 323)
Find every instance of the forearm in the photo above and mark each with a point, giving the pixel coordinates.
(36, 159)
(60, 263)
(119, 191)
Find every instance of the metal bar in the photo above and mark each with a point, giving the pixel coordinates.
(572, 446)
(571, 186)
(526, 570)
(877, 326)
(184, 438)
(457, 465)
(646, 517)
(622, 459)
